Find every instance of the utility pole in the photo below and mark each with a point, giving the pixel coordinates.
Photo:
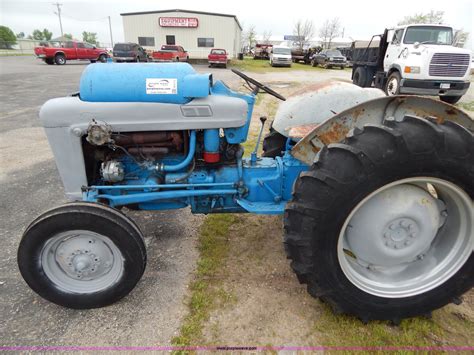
(58, 5)
(111, 39)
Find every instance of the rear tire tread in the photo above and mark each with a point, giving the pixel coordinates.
(317, 189)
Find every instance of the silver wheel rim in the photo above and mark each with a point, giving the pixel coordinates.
(61, 60)
(80, 261)
(407, 238)
(392, 86)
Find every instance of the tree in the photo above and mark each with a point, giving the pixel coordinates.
(250, 36)
(20, 35)
(430, 17)
(7, 37)
(39, 35)
(67, 36)
(266, 37)
(47, 35)
(330, 30)
(304, 31)
(90, 37)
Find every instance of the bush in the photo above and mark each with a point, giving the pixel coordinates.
(7, 38)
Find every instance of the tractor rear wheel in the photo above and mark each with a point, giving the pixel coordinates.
(274, 144)
(82, 255)
(382, 226)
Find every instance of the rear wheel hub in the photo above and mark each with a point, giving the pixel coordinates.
(407, 237)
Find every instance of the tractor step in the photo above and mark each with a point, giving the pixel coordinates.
(262, 207)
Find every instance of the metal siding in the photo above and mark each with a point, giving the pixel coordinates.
(224, 30)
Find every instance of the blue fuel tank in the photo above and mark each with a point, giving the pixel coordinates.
(175, 83)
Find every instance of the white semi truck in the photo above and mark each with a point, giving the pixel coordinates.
(413, 59)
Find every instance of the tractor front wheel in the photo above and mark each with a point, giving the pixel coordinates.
(382, 226)
(82, 255)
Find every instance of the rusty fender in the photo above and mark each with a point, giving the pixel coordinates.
(314, 137)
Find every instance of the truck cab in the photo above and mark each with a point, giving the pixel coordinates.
(418, 59)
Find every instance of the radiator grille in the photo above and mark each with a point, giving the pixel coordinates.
(449, 64)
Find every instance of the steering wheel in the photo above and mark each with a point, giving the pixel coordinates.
(258, 85)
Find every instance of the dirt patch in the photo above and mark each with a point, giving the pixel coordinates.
(266, 304)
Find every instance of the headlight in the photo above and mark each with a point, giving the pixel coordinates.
(412, 70)
(331, 58)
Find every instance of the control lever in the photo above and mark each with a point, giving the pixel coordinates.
(253, 156)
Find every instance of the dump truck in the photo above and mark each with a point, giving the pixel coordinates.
(413, 59)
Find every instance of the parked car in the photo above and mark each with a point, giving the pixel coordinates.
(280, 56)
(60, 52)
(217, 57)
(329, 58)
(169, 53)
(129, 52)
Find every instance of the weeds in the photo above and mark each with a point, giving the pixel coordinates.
(213, 248)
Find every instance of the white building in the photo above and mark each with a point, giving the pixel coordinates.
(196, 31)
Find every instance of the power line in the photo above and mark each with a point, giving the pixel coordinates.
(94, 20)
(58, 5)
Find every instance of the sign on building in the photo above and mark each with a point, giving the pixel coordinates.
(293, 38)
(192, 22)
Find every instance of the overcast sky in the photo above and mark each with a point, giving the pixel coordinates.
(360, 18)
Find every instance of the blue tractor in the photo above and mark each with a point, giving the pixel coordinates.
(376, 192)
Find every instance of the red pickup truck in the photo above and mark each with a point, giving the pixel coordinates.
(217, 57)
(169, 53)
(60, 52)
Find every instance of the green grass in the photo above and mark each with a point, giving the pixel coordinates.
(468, 106)
(205, 293)
(12, 54)
(342, 330)
(263, 66)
